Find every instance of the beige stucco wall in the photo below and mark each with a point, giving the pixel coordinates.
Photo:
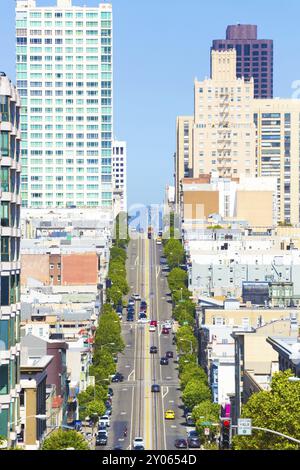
(35, 266)
(256, 207)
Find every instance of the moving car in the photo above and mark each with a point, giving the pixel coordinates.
(153, 349)
(193, 440)
(165, 331)
(152, 328)
(169, 354)
(155, 388)
(136, 297)
(142, 315)
(170, 414)
(130, 317)
(153, 323)
(164, 361)
(181, 444)
(101, 438)
(142, 320)
(118, 377)
(131, 302)
(138, 442)
(143, 305)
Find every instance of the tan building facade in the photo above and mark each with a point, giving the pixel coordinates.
(224, 136)
(60, 269)
(247, 199)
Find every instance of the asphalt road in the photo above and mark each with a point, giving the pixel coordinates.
(134, 406)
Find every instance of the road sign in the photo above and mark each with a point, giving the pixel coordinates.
(206, 431)
(245, 427)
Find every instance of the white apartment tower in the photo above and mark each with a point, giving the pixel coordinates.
(65, 80)
(120, 175)
(10, 231)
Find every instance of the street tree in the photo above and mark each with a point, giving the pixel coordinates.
(195, 392)
(206, 412)
(278, 410)
(61, 440)
(177, 279)
(190, 372)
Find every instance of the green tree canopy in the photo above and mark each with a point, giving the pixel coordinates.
(195, 392)
(206, 411)
(185, 360)
(103, 358)
(177, 279)
(181, 295)
(61, 440)
(278, 410)
(95, 409)
(192, 371)
(186, 341)
(117, 253)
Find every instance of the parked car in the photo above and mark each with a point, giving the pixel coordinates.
(169, 354)
(110, 392)
(164, 361)
(104, 420)
(143, 305)
(167, 324)
(181, 444)
(101, 438)
(153, 349)
(193, 440)
(189, 420)
(130, 302)
(155, 388)
(130, 318)
(118, 377)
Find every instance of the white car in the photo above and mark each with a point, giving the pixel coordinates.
(138, 442)
(167, 324)
(152, 328)
(143, 320)
(104, 420)
(136, 297)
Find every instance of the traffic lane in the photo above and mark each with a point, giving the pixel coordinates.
(121, 416)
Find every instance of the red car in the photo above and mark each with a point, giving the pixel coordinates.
(165, 331)
(153, 323)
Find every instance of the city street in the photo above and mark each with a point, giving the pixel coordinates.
(135, 407)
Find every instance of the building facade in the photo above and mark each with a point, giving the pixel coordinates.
(120, 174)
(10, 260)
(254, 56)
(224, 137)
(278, 151)
(64, 77)
(183, 163)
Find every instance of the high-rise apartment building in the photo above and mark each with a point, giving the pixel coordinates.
(184, 151)
(254, 56)
(278, 151)
(10, 164)
(120, 174)
(224, 134)
(65, 80)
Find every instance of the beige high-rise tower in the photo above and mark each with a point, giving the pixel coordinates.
(224, 135)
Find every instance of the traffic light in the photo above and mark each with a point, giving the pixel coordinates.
(226, 433)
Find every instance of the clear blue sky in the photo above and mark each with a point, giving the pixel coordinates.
(160, 46)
